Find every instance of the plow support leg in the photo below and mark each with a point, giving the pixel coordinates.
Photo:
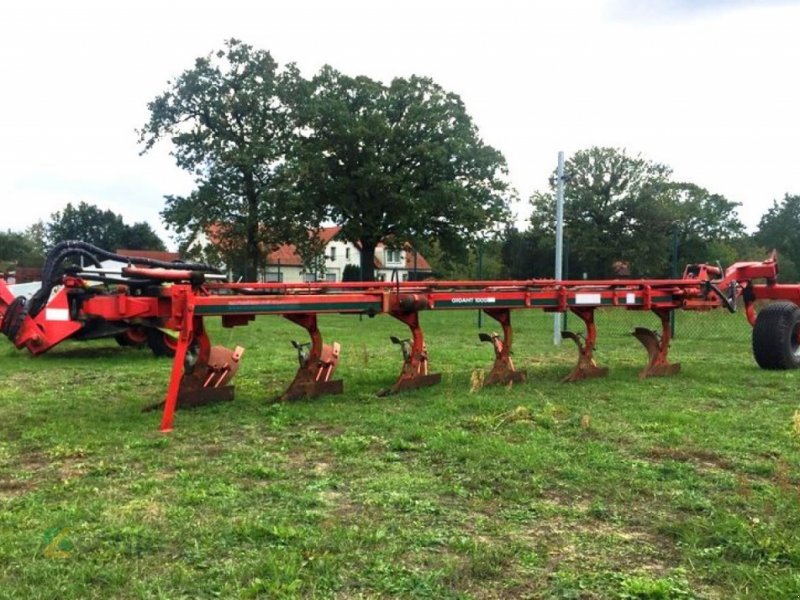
(200, 372)
(657, 347)
(503, 371)
(317, 363)
(415, 358)
(586, 367)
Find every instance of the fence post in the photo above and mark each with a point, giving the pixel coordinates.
(559, 240)
(675, 246)
(480, 277)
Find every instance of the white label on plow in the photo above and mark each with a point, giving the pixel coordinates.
(56, 314)
(587, 299)
(468, 300)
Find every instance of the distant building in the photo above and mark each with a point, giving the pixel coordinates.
(152, 254)
(284, 264)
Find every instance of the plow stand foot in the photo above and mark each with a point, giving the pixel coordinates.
(415, 358)
(502, 375)
(503, 371)
(207, 381)
(412, 383)
(586, 368)
(657, 348)
(313, 378)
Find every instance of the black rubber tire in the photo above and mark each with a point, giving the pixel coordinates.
(776, 336)
(14, 317)
(124, 340)
(157, 342)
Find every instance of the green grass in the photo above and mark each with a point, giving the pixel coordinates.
(618, 488)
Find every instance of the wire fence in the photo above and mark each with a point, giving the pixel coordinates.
(713, 325)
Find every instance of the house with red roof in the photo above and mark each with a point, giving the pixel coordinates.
(284, 264)
(391, 264)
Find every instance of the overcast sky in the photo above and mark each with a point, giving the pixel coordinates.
(709, 87)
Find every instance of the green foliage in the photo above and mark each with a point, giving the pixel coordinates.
(482, 259)
(398, 162)
(230, 124)
(529, 254)
(640, 587)
(622, 208)
(351, 273)
(779, 229)
(19, 249)
(102, 228)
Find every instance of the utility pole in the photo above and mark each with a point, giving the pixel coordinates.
(559, 238)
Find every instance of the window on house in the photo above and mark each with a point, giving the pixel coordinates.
(393, 256)
(273, 277)
(330, 277)
(309, 277)
(347, 253)
(333, 252)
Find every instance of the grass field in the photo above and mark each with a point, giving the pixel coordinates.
(666, 488)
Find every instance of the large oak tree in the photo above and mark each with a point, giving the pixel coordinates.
(396, 163)
(231, 126)
(624, 208)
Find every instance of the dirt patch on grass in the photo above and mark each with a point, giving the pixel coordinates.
(571, 535)
(38, 468)
(329, 430)
(703, 458)
(13, 488)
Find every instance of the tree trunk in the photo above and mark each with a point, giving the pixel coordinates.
(253, 250)
(368, 260)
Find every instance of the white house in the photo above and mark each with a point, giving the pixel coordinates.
(285, 265)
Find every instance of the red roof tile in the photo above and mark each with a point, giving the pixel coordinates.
(326, 234)
(422, 264)
(285, 255)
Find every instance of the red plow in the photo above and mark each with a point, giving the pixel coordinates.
(155, 298)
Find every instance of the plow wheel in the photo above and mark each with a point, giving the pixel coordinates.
(776, 336)
(133, 336)
(161, 343)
